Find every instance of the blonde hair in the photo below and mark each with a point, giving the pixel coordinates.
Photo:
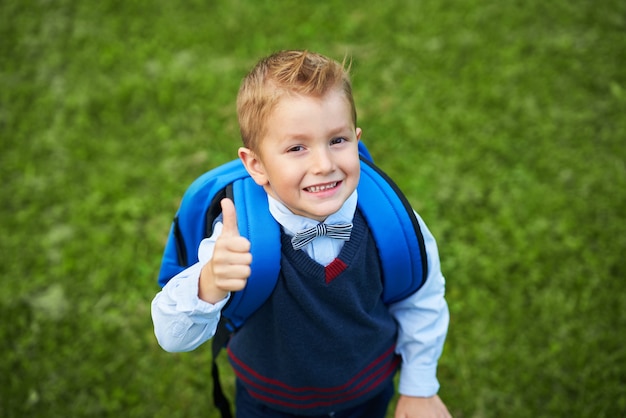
(281, 74)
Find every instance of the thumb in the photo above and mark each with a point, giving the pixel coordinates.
(229, 218)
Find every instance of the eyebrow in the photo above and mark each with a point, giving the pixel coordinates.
(340, 130)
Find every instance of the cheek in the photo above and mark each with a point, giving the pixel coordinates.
(355, 169)
(285, 178)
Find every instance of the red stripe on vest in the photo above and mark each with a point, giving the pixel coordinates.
(279, 393)
(334, 269)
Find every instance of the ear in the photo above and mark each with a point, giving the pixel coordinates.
(253, 165)
(358, 134)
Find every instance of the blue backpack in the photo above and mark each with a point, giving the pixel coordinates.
(389, 216)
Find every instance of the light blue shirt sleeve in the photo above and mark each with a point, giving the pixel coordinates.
(182, 321)
(422, 327)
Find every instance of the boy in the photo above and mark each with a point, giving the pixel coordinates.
(316, 347)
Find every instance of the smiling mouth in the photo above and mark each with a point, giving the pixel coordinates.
(322, 187)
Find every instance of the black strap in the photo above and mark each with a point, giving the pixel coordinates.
(220, 339)
(222, 334)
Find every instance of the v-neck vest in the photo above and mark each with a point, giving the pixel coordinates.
(324, 340)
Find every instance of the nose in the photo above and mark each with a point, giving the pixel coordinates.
(322, 161)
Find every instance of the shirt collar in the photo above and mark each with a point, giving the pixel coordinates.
(293, 223)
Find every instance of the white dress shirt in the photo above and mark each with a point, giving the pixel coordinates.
(182, 321)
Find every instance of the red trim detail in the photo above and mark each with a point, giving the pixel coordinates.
(275, 382)
(334, 269)
(372, 376)
(313, 401)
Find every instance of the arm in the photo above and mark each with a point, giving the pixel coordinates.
(187, 310)
(183, 321)
(422, 327)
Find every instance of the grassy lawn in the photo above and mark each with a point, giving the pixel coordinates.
(504, 122)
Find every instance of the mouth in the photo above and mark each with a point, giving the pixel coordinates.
(322, 187)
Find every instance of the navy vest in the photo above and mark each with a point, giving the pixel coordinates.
(324, 340)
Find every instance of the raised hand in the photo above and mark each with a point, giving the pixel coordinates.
(229, 268)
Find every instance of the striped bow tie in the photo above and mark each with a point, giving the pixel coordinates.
(302, 238)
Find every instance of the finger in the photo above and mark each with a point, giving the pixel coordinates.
(236, 244)
(232, 251)
(229, 218)
(228, 274)
(232, 285)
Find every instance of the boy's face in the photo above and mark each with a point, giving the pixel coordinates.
(309, 158)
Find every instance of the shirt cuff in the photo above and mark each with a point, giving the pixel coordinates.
(186, 296)
(418, 381)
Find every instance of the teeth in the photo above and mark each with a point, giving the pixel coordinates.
(316, 189)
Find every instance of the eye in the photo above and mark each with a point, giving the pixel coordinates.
(295, 148)
(338, 140)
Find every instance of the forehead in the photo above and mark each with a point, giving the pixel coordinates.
(333, 108)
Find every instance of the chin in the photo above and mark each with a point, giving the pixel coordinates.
(321, 215)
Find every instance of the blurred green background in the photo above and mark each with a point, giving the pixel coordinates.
(503, 121)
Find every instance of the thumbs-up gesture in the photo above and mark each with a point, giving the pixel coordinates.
(229, 268)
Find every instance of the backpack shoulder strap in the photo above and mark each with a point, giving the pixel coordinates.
(392, 221)
(188, 227)
(256, 223)
(194, 219)
(190, 223)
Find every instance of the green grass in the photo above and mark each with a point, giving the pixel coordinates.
(502, 121)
